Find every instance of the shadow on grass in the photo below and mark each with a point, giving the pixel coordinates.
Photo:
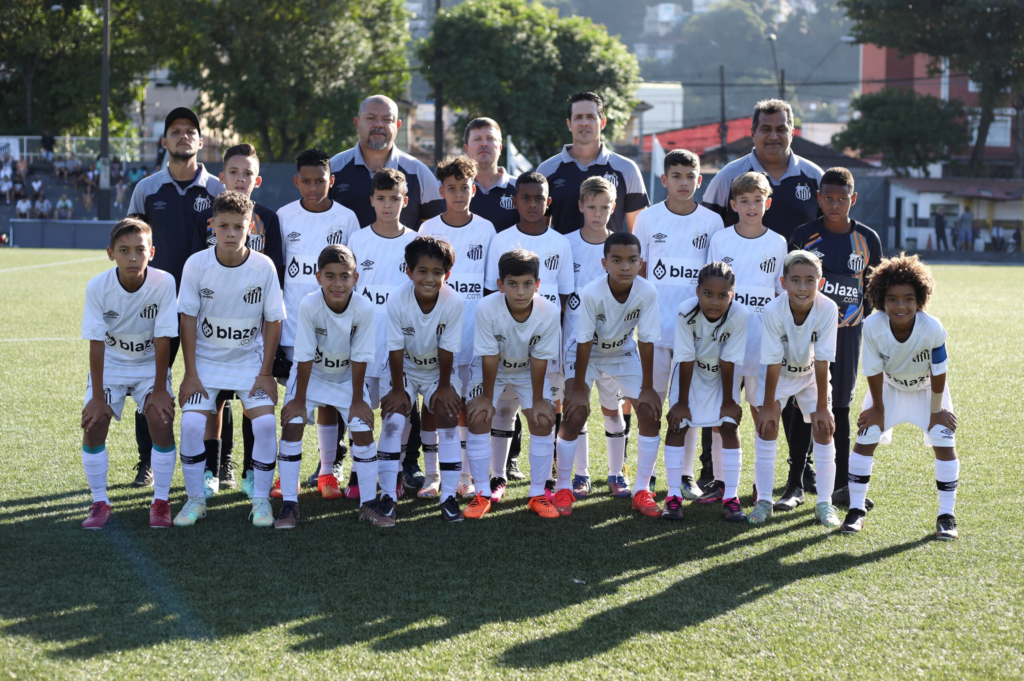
(334, 582)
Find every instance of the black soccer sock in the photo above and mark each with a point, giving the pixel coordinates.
(247, 442)
(517, 441)
(842, 440)
(705, 448)
(212, 454)
(628, 418)
(412, 450)
(143, 439)
(227, 436)
(798, 435)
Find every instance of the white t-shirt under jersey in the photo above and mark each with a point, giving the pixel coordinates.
(471, 243)
(707, 343)
(422, 334)
(798, 346)
(333, 340)
(609, 323)
(230, 305)
(909, 365)
(555, 260)
(304, 234)
(128, 322)
(381, 267)
(675, 248)
(498, 333)
(757, 264)
(586, 267)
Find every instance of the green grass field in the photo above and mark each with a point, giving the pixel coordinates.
(605, 593)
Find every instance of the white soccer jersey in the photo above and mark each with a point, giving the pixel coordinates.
(675, 248)
(757, 264)
(707, 343)
(909, 365)
(555, 260)
(381, 270)
(610, 323)
(333, 340)
(471, 243)
(128, 322)
(304, 234)
(230, 305)
(798, 346)
(586, 267)
(422, 334)
(498, 333)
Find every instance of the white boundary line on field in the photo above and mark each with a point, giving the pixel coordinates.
(48, 264)
(37, 340)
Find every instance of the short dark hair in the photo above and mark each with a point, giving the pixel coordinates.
(518, 262)
(458, 167)
(336, 253)
(900, 269)
(532, 177)
(681, 157)
(244, 149)
(585, 97)
(477, 123)
(429, 247)
(770, 106)
(315, 158)
(620, 239)
(130, 225)
(390, 178)
(232, 202)
(837, 177)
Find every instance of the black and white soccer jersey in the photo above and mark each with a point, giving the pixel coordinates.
(610, 324)
(304, 235)
(264, 235)
(421, 334)
(497, 332)
(353, 185)
(333, 340)
(675, 248)
(798, 346)
(496, 204)
(794, 197)
(586, 267)
(707, 343)
(565, 175)
(471, 243)
(381, 266)
(555, 260)
(127, 322)
(908, 366)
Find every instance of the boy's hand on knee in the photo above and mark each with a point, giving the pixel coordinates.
(395, 402)
(190, 385)
(944, 418)
(267, 384)
(872, 416)
(361, 410)
(296, 409)
(767, 424)
(543, 415)
(480, 410)
(577, 398)
(650, 398)
(95, 411)
(162, 405)
(447, 401)
(824, 424)
(677, 414)
(731, 411)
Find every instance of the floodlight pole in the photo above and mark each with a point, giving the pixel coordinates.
(103, 200)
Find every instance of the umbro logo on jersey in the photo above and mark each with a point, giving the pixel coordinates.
(803, 192)
(336, 238)
(408, 331)
(700, 241)
(600, 318)
(160, 205)
(558, 184)
(253, 295)
(821, 256)
(534, 340)
(293, 237)
(613, 178)
(768, 264)
(575, 268)
(366, 264)
(574, 301)
(551, 262)
(256, 242)
(506, 202)
(206, 293)
(202, 203)
(856, 263)
(342, 187)
(149, 312)
(319, 331)
(659, 238)
(475, 252)
(498, 337)
(727, 260)
(923, 356)
(109, 340)
(633, 315)
(111, 314)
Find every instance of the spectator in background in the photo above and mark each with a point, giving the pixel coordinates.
(6, 167)
(23, 209)
(998, 239)
(7, 188)
(72, 169)
(966, 231)
(116, 169)
(120, 191)
(64, 208)
(42, 207)
(47, 143)
(37, 185)
(19, 189)
(940, 231)
(21, 171)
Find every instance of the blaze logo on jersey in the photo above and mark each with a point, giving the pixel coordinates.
(632, 315)
(408, 331)
(109, 340)
(110, 314)
(149, 312)
(551, 262)
(336, 238)
(768, 264)
(367, 265)
(253, 295)
(506, 202)
(202, 203)
(305, 269)
(923, 356)
(574, 301)
(206, 293)
(440, 329)
(534, 340)
(293, 268)
(700, 241)
(660, 270)
(856, 263)
(293, 237)
(575, 268)
(613, 178)
(207, 328)
(803, 192)
(475, 252)
(659, 238)
(318, 357)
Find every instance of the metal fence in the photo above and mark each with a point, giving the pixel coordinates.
(60, 233)
(128, 149)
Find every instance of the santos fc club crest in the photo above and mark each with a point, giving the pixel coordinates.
(551, 262)
(803, 192)
(856, 263)
(768, 264)
(506, 202)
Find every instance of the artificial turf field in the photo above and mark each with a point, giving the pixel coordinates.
(604, 593)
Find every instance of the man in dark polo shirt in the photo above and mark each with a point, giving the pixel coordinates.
(495, 186)
(794, 183)
(171, 201)
(587, 156)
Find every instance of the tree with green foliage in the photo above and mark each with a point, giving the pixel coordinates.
(979, 37)
(909, 130)
(517, 62)
(288, 74)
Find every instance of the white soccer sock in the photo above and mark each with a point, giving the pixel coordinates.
(564, 462)
(542, 451)
(449, 456)
(467, 472)
(289, 461)
(163, 461)
(327, 444)
(364, 465)
(674, 457)
(94, 461)
(732, 463)
(193, 453)
(947, 476)
(825, 468)
(406, 432)
(615, 440)
(860, 476)
(716, 455)
(689, 451)
(501, 440)
(583, 454)
(646, 458)
(478, 451)
(765, 452)
(264, 453)
(389, 452)
(429, 440)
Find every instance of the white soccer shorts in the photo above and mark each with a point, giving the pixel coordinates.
(804, 389)
(320, 393)
(115, 394)
(419, 385)
(915, 407)
(705, 399)
(615, 380)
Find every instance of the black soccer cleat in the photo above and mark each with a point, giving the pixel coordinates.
(791, 498)
(841, 497)
(706, 479)
(733, 511)
(945, 528)
(854, 522)
(512, 472)
(412, 476)
(227, 477)
(386, 505)
(144, 477)
(450, 511)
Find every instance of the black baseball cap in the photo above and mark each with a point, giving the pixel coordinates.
(182, 112)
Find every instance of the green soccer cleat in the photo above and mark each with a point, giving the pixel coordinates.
(193, 511)
(761, 513)
(211, 484)
(248, 483)
(826, 514)
(262, 513)
(689, 488)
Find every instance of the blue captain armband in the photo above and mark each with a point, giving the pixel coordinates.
(939, 358)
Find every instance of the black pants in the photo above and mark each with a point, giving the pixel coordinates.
(940, 240)
(412, 450)
(142, 438)
(517, 441)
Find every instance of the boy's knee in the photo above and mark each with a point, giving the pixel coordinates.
(292, 432)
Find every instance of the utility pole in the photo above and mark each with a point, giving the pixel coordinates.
(723, 127)
(782, 84)
(103, 200)
(438, 106)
